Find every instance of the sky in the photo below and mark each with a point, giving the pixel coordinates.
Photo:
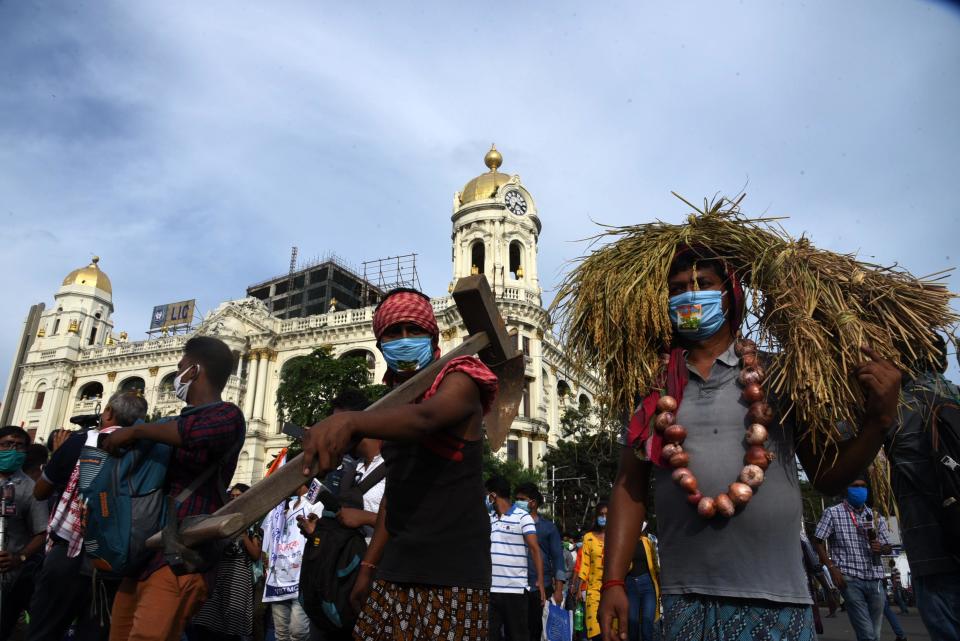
(190, 145)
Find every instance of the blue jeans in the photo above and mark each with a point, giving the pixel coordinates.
(892, 618)
(643, 602)
(938, 599)
(864, 600)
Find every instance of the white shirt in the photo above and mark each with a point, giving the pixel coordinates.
(373, 497)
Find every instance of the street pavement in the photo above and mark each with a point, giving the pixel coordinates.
(839, 628)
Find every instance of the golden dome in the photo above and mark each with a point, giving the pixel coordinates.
(90, 276)
(485, 185)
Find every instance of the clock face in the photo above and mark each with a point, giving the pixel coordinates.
(516, 203)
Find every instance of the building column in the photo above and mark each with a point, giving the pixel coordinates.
(260, 382)
(249, 392)
(264, 377)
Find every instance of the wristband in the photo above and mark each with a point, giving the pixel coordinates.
(612, 583)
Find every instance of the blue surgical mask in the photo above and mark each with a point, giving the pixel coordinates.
(408, 354)
(856, 496)
(488, 502)
(11, 460)
(697, 315)
(522, 505)
(602, 521)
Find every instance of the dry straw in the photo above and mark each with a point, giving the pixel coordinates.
(811, 308)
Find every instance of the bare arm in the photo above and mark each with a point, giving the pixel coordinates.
(167, 433)
(42, 489)
(380, 536)
(252, 546)
(534, 546)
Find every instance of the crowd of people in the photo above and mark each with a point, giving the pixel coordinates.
(402, 538)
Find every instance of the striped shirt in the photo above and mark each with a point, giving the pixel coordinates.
(508, 550)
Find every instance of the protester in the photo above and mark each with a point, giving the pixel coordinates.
(283, 544)
(745, 568)
(208, 434)
(934, 567)
(513, 536)
(643, 590)
(896, 586)
(25, 529)
(591, 570)
(552, 554)
(65, 570)
(891, 617)
(432, 537)
(369, 458)
(227, 615)
(856, 539)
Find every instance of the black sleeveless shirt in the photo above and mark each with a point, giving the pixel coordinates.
(439, 528)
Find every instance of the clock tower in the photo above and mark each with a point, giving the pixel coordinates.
(495, 232)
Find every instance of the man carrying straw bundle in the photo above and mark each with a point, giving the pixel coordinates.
(727, 501)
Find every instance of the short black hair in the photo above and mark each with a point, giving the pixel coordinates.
(702, 258)
(37, 456)
(600, 506)
(498, 485)
(15, 430)
(214, 357)
(530, 491)
(243, 487)
(351, 399)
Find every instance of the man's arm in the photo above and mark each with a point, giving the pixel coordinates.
(534, 546)
(361, 588)
(355, 517)
(456, 403)
(168, 433)
(558, 562)
(628, 500)
(837, 465)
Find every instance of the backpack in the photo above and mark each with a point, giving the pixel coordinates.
(330, 567)
(125, 503)
(943, 423)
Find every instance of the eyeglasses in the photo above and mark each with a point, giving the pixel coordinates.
(6, 446)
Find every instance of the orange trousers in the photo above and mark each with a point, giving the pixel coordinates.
(158, 608)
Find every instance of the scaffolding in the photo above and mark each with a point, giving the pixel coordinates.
(392, 272)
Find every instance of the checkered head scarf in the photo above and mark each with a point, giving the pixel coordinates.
(405, 306)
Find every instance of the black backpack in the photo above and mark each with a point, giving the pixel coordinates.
(332, 558)
(942, 415)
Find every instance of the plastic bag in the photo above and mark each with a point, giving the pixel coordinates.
(557, 623)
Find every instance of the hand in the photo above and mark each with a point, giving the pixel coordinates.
(308, 525)
(59, 439)
(361, 588)
(614, 606)
(325, 443)
(837, 577)
(880, 381)
(351, 517)
(118, 441)
(875, 546)
(9, 561)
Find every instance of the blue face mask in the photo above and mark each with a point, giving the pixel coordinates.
(408, 354)
(602, 521)
(856, 496)
(697, 315)
(488, 502)
(522, 505)
(11, 460)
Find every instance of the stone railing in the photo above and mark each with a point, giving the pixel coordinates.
(520, 295)
(330, 319)
(136, 347)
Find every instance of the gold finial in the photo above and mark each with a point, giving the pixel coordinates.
(74, 327)
(41, 332)
(474, 270)
(519, 273)
(493, 159)
(123, 336)
(96, 259)
(110, 340)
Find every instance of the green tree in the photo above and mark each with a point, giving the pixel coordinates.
(584, 462)
(513, 471)
(309, 383)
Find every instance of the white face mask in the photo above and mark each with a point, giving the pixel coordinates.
(180, 387)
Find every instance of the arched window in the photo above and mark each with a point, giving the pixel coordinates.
(478, 253)
(563, 390)
(367, 357)
(133, 384)
(93, 335)
(166, 383)
(516, 260)
(91, 391)
(41, 393)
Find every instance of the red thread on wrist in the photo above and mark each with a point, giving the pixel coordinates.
(612, 583)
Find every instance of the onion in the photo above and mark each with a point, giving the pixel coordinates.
(675, 434)
(707, 507)
(695, 498)
(689, 483)
(756, 434)
(740, 493)
(680, 471)
(725, 506)
(753, 374)
(670, 449)
(760, 412)
(745, 346)
(752, 475)
(664, 420)
(758, 456)
(667, 404)
(752, 393)
(680, 459)
(750, 360)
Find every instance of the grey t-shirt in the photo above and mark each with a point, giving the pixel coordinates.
(31, 518)
(756, 554)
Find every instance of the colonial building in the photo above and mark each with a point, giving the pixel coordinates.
(69, 358)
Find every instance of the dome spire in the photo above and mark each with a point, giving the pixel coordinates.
(493, 159)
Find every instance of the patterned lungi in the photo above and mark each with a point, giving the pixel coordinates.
(414, 612)
(692, 617)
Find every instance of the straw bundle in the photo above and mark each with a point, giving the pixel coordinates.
(811, 308)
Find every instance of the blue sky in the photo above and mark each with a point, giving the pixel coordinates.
(191, 144)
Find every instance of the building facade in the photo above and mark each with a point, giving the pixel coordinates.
(70, 360)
